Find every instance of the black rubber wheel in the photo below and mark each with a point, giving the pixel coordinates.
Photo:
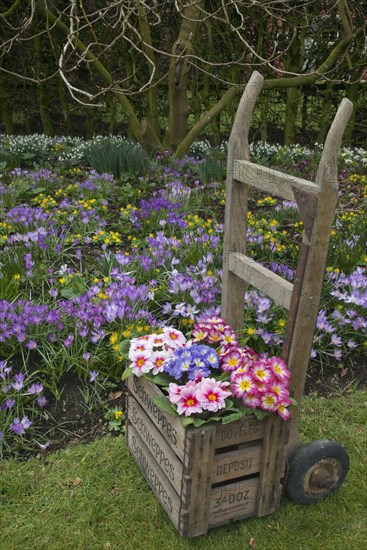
(316, 471)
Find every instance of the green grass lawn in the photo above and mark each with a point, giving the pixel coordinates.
(94, 497)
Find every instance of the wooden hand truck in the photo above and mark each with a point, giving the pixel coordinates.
(216, 473)
(311, 472)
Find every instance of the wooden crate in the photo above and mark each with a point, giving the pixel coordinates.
(204, 477)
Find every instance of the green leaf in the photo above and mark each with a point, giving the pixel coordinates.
(224, 376)
(161, 379)
(216, 418)
(124, 347)
(114, 425)
(187, 421)
(199, 422)
(260, 414)
(229, 404)
(234, 416)
(163, 403)
(70, 293)
(127, 372)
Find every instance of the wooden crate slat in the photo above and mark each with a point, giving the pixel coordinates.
(244, 462)
(233, 501)
(274, 286)
(199, 458)
(273, 465)
(156, 479)
(241, 431)
(272, 181)
(169, 426)
(160, 450)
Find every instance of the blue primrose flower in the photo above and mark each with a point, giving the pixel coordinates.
(195, 361)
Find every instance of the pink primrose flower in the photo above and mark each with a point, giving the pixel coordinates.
(245, 367)
(243, 383)
(249, 354)
(199, 334)
(158, 358)
(174, 392)
(173, 338)
(261, 386)
(229, 337)
(141, 363)
(157, 340)
(279, 369)
(140, 344)
(251, 400)
(188, 403)
(214, 336)
(261, 371)
(212, 394)
(269, 401)
(231, 360)
(283, 410)
(279, 389)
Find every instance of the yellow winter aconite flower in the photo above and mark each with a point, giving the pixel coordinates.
(114, 337)
(251, 331)
(62, 280)
(16, 277)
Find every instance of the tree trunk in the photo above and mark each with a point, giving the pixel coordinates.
(263, 105)
(291, 112)
(327, 114)
(44, 111)
(6, 113)
(152, 92)
(179, 74)
(294, 63)
(65, 107)
(353, 95)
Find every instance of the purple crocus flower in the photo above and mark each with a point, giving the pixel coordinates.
(4, 370)
(19, 426)
(9, 403)
(34, 389)
(19, 381)
(31, 344)
(68, 341)
(41, 401)
(93, 374)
